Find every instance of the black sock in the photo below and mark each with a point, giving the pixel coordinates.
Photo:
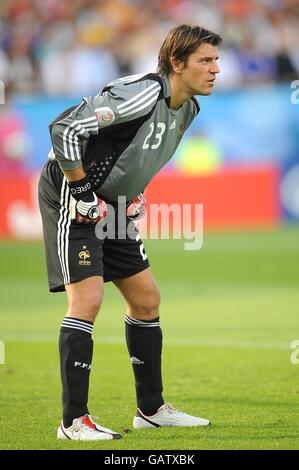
(144, 341)
(75, 348)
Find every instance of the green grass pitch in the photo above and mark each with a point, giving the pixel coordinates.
(229, 314)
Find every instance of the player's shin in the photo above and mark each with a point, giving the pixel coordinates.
(75, 348)
(144, 341)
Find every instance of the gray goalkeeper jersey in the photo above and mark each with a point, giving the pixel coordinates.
(123, 136)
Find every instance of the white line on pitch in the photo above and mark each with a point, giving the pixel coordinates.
(40, 337)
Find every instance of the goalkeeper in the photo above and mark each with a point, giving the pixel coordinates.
(112, 145)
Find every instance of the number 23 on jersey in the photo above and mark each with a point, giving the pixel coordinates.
(160, 129)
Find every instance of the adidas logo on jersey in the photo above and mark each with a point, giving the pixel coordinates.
(173, 125)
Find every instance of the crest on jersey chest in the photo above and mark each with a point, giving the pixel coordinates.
(180, 132)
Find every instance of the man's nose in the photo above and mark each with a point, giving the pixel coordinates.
(214, 68)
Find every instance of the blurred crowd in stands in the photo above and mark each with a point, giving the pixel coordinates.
(73, 47)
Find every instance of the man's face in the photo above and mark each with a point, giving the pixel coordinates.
(199, 73)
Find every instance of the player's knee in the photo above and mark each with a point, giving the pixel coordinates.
(146, 307)
(85, 298)
(87, 308)
(93, 306)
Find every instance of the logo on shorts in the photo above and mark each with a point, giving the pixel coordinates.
(84, 256)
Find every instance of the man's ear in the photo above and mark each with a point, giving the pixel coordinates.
(177, 65)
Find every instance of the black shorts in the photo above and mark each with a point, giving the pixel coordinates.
(73, 251)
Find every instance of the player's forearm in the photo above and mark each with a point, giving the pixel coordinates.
(76, 174)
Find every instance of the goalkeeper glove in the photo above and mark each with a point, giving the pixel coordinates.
(137, 208)
(86, 206)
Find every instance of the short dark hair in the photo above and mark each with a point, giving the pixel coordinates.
(180, 42)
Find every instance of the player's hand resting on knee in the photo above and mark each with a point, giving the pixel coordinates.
(86, 207)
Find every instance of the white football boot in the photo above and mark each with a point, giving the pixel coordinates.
(167, 415)
(85, 429)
